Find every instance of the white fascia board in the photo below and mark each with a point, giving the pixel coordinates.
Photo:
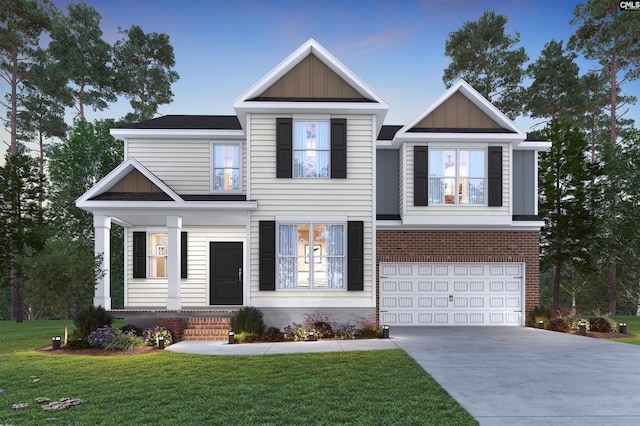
(177, 133)
(525, 225)
(471, 221)
(457, 137)
(119, 173)
(169, 206)
(533, 146)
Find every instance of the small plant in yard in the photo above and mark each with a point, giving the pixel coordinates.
(246, 337)
(576, 322)
(273, 334)
(102, 335)
(130, 328)
(322, 330)
(539, 313)
(317, 317)
(557, 324)
(602, 324)
(368, 327)
(88, 319)
(295, 332)
(346, 331)
(152, 334)
(248, 320)
(126, 341)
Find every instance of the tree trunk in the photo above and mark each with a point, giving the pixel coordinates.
(556, 287)
(13, 114)
(612, 285)
(16, 295)
(574, 310)
(66, 326)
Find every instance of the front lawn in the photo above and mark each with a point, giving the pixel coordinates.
(633, 326)
(364, 388)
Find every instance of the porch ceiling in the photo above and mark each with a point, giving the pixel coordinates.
(158, 217)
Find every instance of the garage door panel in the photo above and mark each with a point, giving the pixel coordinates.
(458, 294)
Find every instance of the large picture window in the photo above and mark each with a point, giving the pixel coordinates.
(311, 256)
(311, 149)
(157, 255)
(226, 167)
(457, 176)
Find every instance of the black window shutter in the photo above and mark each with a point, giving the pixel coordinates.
(284, 147)
(355, 255)
(420, 176)
(183, 254)
(495, 176)
(139, 255)
(267, 250)
(338, 147)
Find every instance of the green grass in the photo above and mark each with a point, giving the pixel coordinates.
(363, 388)
(633, 326)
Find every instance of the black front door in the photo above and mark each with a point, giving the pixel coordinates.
(225, 273)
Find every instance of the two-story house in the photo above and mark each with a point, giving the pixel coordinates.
(304, 202)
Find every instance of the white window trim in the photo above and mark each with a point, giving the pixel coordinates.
(457, 149)
(316, 119)
(149, 255)
(212, 168)
(344, 255)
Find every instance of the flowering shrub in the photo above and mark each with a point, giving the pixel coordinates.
(602, 324)
(102, 335)
(557, 324)
(575, 323)
(368, 327)
(126, 341)
(322, 329)
(318, 317)
(346, 331)
(295, 332)
(151, 335)
(272, 334)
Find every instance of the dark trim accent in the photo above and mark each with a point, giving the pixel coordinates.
(207, 122)
(355, 256)
(388, 217)
(284, 147)
(214, 197)
(495, 176)
(267, 255)
(338, 148)
(184, 240)
(387, 132)
(526, 218)
(139, 255)
(132, 196)
(420, 176)
(286, 99)
(457, 130)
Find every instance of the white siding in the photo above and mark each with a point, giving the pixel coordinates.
(457, 210)
(152, 292)
(351, 197)
(184, 165)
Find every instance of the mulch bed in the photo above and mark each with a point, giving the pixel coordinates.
(97, 351)
(610, 335)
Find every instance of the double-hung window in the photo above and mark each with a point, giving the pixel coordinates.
(311, 256)
(457, 176)
(157, 255)
(311, 149)
(226, 161)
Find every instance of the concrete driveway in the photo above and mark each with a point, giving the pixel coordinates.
(525, 376)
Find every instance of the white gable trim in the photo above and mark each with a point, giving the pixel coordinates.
(118, 174)
(478, 100)
(243, 105)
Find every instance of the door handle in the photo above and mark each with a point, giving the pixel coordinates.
(239, 275)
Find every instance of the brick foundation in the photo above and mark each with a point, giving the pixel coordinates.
(463, 246)
(176, 326)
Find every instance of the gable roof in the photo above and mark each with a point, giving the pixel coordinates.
(461, 113)
(341, 92)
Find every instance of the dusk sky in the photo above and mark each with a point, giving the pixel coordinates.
(396, 47)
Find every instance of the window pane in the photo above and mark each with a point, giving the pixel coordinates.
(226, 167)
(334, 243)
(304, 257)
(156, 255)
(311, 146)
(288, 255)
(442, 190)
(472, 163)
(476, 191)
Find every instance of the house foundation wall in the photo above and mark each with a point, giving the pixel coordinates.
(463, 246)
(281, 317)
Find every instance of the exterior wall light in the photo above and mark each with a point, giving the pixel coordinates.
(541, 325)
(160, 342)
(312, 336)
(232, 337)
(623, 328)
(55, 342)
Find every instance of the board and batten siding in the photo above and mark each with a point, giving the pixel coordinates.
(456, 210)
(351, 197)
(194, 290)
(183, 164)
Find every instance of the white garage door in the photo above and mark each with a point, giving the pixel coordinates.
(451, 293)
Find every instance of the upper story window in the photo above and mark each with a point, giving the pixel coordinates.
(311, 149)
(457, 176)
(311, 256)
(226, 161)
(157, 255)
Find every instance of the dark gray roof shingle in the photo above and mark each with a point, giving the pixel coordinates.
(204, 122)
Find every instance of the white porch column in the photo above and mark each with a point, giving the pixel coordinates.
(174, 226)
(102, 229)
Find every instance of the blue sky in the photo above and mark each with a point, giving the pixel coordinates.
(223, 47)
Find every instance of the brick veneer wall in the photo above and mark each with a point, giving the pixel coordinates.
(463, 246)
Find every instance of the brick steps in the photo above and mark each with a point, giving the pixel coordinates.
(207, 328)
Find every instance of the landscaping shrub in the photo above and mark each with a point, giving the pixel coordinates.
(248, 320)
(322, 330)
(316, 317)
(102, 335)
(295, 332)
(151, 335)
(273, 334)
(89, 319)
(557, 324)
(601, 324)
(130, 328)
(346, 331)
(246, 337)
(368, 327)
(127, 341)
(539, 313)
